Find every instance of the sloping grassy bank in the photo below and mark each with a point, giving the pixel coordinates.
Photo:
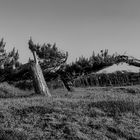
(86, 114)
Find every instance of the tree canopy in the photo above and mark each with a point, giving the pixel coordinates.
(53, 62)
(50, 57)
(8, 59)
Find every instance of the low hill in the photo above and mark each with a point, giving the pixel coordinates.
(120, 67)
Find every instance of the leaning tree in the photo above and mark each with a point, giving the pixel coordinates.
(48, 61)
(53, 63)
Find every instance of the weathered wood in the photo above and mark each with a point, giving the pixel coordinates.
(40, 85)
(39, 82)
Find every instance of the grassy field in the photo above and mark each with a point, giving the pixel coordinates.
(93, 113)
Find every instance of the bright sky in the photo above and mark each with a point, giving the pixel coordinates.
(77, 26)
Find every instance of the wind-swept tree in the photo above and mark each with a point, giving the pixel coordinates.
(13, 59)
(94, 63)
(50, 57)
(40, 85)
(3, 54)
(8, 60)
(52, 63)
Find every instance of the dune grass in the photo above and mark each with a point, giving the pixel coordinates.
(85, 114)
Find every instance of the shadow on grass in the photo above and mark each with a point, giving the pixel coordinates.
(33, 109)
(115, 108)
(129, 90)
(9, 134)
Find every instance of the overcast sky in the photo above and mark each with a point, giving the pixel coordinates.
(77, 26)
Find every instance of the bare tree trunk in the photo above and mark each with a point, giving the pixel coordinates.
(66, 85)
(39, 82)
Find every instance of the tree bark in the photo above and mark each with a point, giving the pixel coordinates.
(39, 82)
(66, 85)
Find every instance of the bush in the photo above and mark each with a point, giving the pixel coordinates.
(111, 79)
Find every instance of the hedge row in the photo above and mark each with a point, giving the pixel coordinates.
(110, 79)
